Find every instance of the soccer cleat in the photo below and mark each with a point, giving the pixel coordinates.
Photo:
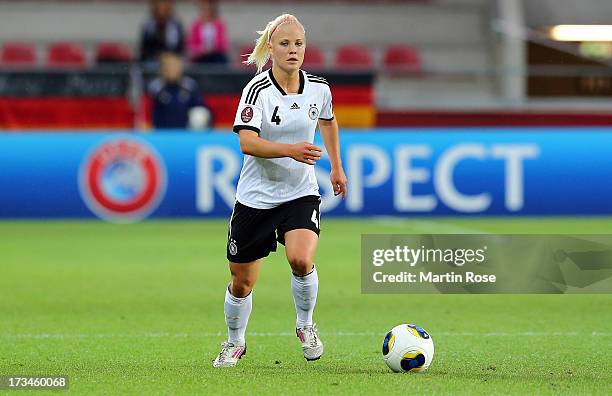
(311, 343)
(229, 355)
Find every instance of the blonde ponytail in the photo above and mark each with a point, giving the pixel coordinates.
(260, 54)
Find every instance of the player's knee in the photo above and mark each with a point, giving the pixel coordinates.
(241, 287)
(300, 265)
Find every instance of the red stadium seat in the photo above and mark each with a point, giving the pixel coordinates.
(314, 58)
(113, 52)
(402, 58)
(18, 54)
(65, 54)
(354, 56)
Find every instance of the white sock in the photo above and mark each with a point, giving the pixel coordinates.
(237, 311)
(304, 289)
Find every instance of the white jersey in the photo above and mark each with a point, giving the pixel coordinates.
(266, 109)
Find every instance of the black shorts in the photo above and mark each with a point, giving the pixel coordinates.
(253, 232)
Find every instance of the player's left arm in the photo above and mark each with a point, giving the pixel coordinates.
(331, 140)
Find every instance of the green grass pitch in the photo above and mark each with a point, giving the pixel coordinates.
(138, 309)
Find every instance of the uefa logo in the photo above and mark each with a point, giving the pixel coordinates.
(122, 180)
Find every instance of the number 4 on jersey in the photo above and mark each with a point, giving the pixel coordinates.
(275, 118)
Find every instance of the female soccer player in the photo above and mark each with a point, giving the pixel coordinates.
(277, 197)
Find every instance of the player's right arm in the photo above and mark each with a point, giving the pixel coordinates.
(252, 144)
(248, 123)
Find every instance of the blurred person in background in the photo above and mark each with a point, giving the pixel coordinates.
(162, 32)
(176, 99)
(207, 41)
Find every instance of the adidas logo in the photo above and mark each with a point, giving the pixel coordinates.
(294, 106)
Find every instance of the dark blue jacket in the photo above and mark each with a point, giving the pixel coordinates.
(172, 102)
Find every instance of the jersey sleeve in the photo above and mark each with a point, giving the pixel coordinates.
(248, 115)
(327, 111)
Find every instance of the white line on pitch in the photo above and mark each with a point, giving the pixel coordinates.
(291, 334)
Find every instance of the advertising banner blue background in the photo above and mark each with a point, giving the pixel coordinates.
(493, 171)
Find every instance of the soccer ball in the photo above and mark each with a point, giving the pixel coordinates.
(408, 347)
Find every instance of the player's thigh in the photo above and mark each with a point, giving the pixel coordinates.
(301, 247)
(244, 277)
(246, 271)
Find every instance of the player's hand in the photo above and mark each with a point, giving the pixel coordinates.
(306, 152)
(338, 181)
